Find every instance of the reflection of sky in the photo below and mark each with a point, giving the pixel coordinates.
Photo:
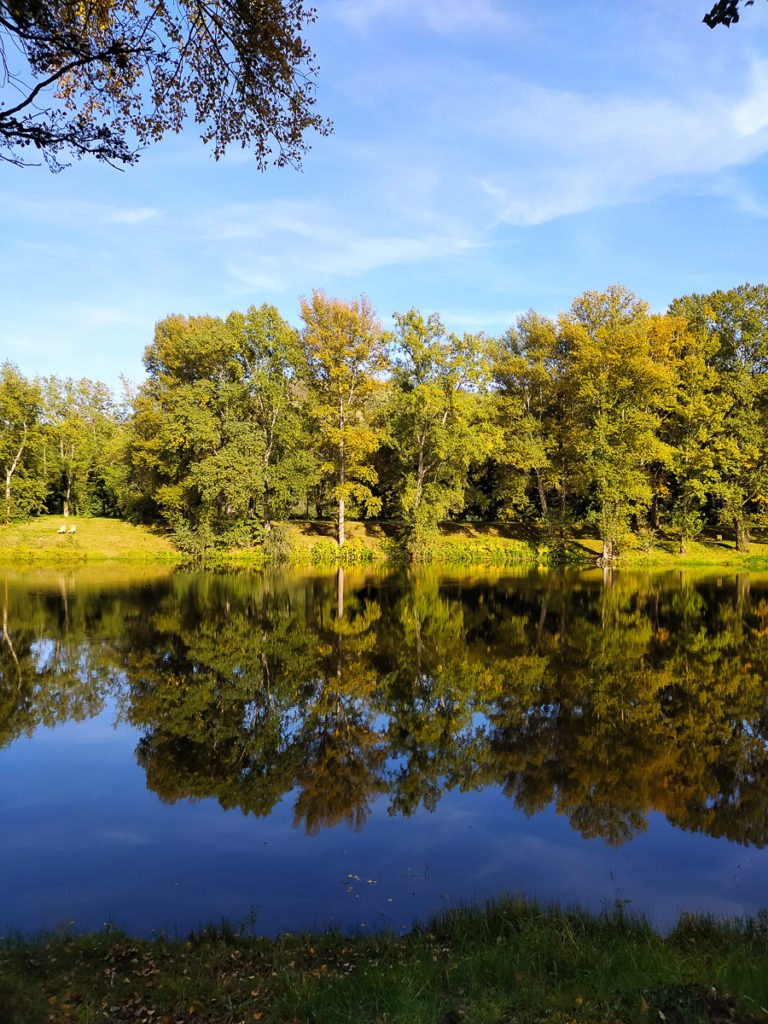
(84, 839)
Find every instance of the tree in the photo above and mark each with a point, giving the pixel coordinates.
(344, 355)
(20, 410)
(433, 417)
(619, 391)
(80, 418)
(269, 352)
(525, 370)
(193, 447)
(735, 325)
(106, 78)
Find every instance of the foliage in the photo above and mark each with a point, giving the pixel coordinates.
(618, 391)
(192, 448)
(278, 544)
(609, 418)
(526, 404)
(109, 77)
(435, 422)
(80, 422)
(269, 352)
(20, 435)
(344, 358)
(725, 12)
(733, 326)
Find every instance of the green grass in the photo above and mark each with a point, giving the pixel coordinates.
(38, 542)
(511, 961)
(312, 543)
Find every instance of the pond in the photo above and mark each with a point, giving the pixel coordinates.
(362, 749)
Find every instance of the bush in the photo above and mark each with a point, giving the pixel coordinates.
(279, 542)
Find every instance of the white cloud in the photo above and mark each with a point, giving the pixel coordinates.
(600, 152)
(309, 239)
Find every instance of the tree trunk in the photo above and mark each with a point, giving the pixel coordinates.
(742, 536)
(341, 523)
(9, 473)
(610, 550)
(342, 481)
(542, 495)
(419, 477)
(653, 513)
(267, 519)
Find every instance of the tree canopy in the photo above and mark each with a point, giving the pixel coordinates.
(106, 78)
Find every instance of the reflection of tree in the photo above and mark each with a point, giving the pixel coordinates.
(429, 696)
(342, 751)
(607, 698)
(251, 690)
(55, 665)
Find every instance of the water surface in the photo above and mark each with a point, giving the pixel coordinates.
(363, 748)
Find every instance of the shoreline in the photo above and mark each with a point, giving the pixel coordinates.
(308, 544)
(508, 961)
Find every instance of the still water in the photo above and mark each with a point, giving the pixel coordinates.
(363, 749)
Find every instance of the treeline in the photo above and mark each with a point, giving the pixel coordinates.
(609, 414)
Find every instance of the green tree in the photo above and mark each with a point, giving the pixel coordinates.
(80, 419)
(734, 325)
(20, 414)
(690, 426)
(108, 77)
(435, 426)
(193, 447)
(525, 370)
(618, 393)
(270, 354)
(345, 357)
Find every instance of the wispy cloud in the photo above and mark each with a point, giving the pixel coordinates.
(276, 238)
(137, 216)
(443, 16)
(601, 151)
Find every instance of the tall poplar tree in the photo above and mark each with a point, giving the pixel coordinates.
(345, 357)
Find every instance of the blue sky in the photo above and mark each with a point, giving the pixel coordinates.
(489, 156)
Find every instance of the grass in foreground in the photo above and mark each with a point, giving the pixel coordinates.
(509, 962)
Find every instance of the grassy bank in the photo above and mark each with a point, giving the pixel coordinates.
(312, 543)
(38, 542)
(509, 962)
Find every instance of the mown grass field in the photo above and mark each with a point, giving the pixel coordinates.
(38, 541)
(509, 963)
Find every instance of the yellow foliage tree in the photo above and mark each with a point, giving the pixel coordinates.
(345, 356)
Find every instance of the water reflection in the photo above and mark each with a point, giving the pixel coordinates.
(605, 697)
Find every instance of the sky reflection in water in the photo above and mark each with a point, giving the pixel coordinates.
(269, 694)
